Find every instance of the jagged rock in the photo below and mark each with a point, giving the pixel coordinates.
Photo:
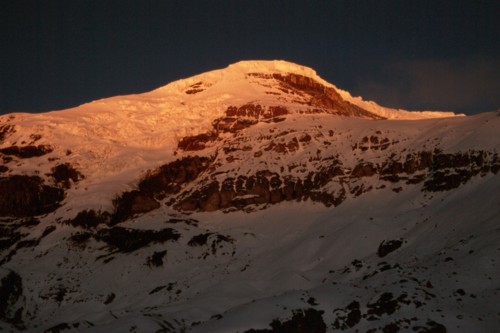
(213, 240)
(143, 203)
(89, 219)
(196, 142)
(320, 96)
(239, 118)
(247, 110)
(365, 169)
(195, 88)
(387, 247)
(168, 179)
(236, 119)
(130, 240)
(27, 196)
(48, 230)
(444, 172)
(386, 304)
(256, 111)
(444, 181)
(5, 131)
(434, 168)
(11, 234)
(199, 240)
(305, 138)
(210, 197)
(227, 193)
(348, 317)
(27, 151)
(110, 298)
(64, 173)
(132, 203)
(302, 321)
(156, 259)
(80, 239)
(262, 188)
(11, 291)
(392, 168)
(232, 125)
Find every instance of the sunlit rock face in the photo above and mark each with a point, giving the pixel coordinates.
(255, 198)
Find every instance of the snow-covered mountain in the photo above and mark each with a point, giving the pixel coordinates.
(256, 198)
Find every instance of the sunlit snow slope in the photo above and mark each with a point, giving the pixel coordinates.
(255, 198)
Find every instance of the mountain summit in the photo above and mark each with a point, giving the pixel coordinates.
(270, 82)
(255, 198)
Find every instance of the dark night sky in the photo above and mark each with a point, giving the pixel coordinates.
(425, 54)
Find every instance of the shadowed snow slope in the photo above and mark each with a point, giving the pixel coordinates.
(256, 198)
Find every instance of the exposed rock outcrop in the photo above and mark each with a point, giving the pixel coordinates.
(11, 291)
(320, 96)
(197, 142)
(65, 174)
(167, 179)
(437, 171)
(195, 88)
(264, 187)
(27, 196)
(130, 240)
(235, 120)
(27, 151)
(5, 131)
(387, 247)
(89, 219)
(308, 320)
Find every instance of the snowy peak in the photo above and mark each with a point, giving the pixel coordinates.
(239, 70)
(240, 197)
(238, 82)
(117, 139)
(274, 67)
(270, 82)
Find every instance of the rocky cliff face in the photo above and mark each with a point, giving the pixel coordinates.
(28, 196)
(316, 94)
(437, 171)
(293, 164)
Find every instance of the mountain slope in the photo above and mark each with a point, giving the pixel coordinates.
(119, 138)
(249, 198)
